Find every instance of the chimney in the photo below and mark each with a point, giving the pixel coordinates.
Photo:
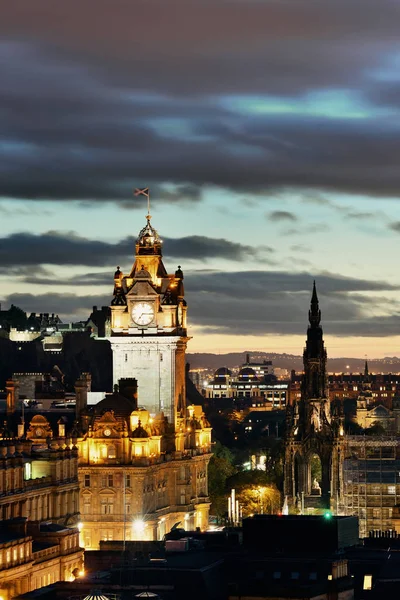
(128, 388)
(61, 428)
(12, 386)
(82, 387)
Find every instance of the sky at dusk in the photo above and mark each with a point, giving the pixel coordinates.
(268, 133)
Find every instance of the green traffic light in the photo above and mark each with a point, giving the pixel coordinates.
(328, 515)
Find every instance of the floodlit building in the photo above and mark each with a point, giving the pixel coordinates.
(143, 453)
(255, 383)
(39, 506)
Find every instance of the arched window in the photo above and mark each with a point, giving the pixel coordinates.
(111, 451)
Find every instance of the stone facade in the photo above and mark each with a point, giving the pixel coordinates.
(138, 476)
(143, 453)
(314, 432)
(158, 364)
(38, 498)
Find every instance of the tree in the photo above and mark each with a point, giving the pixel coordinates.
(219, 470)
(255, 492)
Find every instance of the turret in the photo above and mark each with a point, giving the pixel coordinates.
(82, 387)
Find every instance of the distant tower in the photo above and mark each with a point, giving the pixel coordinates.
(314, 436)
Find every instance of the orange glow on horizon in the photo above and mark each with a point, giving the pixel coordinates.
(337, 347)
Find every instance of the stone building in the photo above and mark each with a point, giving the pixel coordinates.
(384, 387)
(325, 468)
(371, 477)
(39, 503)
(143, 453)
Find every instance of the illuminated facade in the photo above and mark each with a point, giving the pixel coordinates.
(143, 454)
(148, 328)
(39, 506)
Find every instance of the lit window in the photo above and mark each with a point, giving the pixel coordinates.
(391, 489)
(367, 582)
(107, 506)
(27, 471)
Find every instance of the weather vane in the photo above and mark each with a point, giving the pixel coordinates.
(144, 192)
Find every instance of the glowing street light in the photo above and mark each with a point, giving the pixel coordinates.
(138, 528)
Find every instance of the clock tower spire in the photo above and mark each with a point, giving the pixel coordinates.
(148, 328)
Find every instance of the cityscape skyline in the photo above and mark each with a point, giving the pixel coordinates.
(270, 151)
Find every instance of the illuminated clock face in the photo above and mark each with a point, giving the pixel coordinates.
(107, 432)
(142, 313)
(39, 432)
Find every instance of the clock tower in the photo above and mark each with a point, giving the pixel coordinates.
(143, 454)
(148, 329)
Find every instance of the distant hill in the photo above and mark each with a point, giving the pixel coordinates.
(292, 361)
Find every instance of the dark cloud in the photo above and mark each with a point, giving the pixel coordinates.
(90, 110)
(253, 283)
(261, 303)
(201, 247)
(251, 303)
(395, 226)
(61, 248)
(281, 215)
(67, 306)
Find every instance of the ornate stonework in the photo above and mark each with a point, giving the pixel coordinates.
(143, 454)
(314, 431)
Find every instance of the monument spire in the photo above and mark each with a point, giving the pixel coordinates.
(314, 314)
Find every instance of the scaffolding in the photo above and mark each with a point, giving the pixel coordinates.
(371, 481)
